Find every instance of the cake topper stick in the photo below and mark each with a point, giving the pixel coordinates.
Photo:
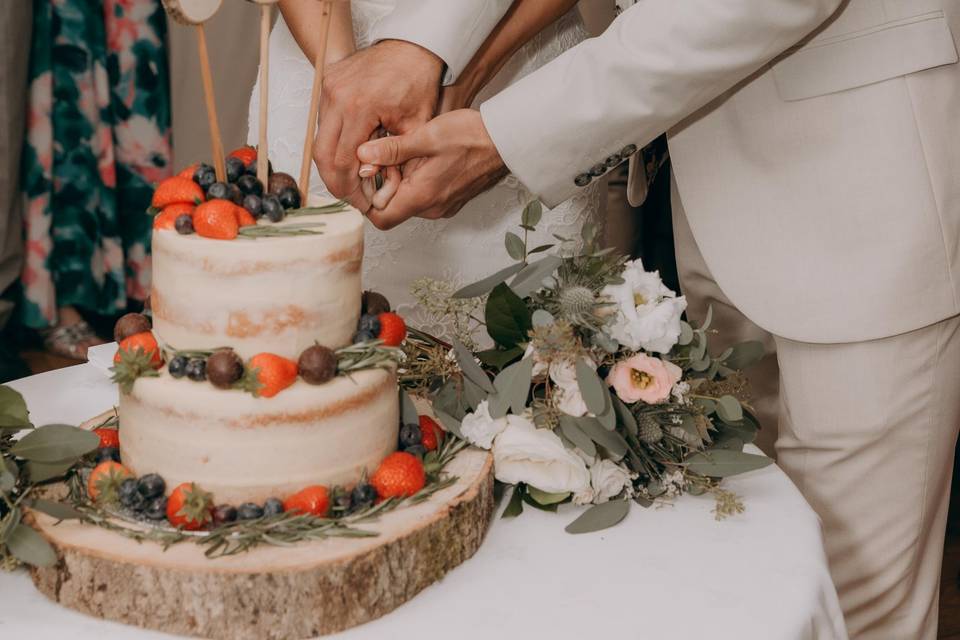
(195, 13)
(324, 28)
(265, 24)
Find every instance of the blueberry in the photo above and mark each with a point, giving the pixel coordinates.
(272, 507)
(363, 336)
(156, 509)
(127, 488)
(272, 208)
(224, 513)
(417, 450)
(184, 224)
(108, 453)
(218, 190)
(234, 168)
(177, 367)
(234, 194)
(410, 435)
(253, 205)
(151, 486)
(369, 323)
(290, 198)
(252, 168)
(202, 174)
(249, 511)
(196, 369)
(250, 185)
(364, 494)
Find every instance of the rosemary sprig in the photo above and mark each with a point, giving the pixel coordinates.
(278, 231)
(334, 207)
(372, 354)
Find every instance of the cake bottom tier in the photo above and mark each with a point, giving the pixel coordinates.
(247, 449)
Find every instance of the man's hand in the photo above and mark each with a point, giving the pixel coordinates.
(454, 159)
(393, 84)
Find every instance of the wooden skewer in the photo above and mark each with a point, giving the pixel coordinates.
(216, 142)
(262, 155)
(314, 101)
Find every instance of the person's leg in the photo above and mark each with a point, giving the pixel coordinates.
(702, 292)
(867, 432)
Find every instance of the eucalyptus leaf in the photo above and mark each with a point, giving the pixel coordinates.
(55, 443)
(708, 405)
(686, 334)
(532, 276)
(728, 441)
(515, 246)
(473, 394)
(532, 213)
(408, 410)
(515, 506)
(546, 499)
(13, 409)
(700, 365)
(486, 285)
(552, 508)
(612, 441)
(626, 417)
(540, 249)
(43, 471)
(449, 423)
(600, 516)
(8, 523)
(608, 418)
(729, 409)
(708, 320)
(593, 390)
(646, 503)
(576, 435)
(7, 481)
(29, 547)
(498, 406)
(744, 355)
(12, 423)
(542, 318)
(513, 383)
(499, 358)
(470, 367)
(699, 349)
(508, 318)
(723, 463)
(449, 400)
(58, 510)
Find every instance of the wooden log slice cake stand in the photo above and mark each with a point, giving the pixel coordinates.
(307, 590)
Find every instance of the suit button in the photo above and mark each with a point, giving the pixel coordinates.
(598, 170)
(628, 151)
(582, 180)
(611, 161)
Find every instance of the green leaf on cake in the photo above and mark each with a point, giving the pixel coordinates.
(13, 410)
(58, 510)
(55, 443)
(29, 547)
(507, 317)
(600, 516)
(723, 463)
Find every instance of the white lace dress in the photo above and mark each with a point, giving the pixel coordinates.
(435, 256)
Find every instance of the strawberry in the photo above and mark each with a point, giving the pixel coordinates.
(392, 329)
(273, 373)
(314, 500)
(244, 218)
(400, 475)
(189, 171)
(108, 437)
(247, 155)
(167, 218)
(216, 219)
(176, 189)
(189, 507)
(430, 433)
(105, 480)
(143, 342)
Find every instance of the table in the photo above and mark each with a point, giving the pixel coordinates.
(671, 572)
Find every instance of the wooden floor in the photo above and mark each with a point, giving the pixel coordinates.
(38, 361)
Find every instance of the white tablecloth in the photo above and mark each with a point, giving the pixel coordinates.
(668, 573)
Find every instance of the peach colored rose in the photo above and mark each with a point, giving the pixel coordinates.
(642, 378)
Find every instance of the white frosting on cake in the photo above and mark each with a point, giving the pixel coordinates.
(277, 295)
(244, 448)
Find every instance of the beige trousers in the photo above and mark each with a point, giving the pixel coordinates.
(867, 433)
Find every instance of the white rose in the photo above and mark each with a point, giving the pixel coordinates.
(648, 313)
(608, 480)
(568, 398)
(585, 496)
(523, 453)
(479, 428)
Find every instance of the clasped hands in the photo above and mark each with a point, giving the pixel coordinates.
(430, 164)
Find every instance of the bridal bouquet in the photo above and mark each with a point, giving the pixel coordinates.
(595, 391)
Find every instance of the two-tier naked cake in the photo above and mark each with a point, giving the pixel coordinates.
(277, 295)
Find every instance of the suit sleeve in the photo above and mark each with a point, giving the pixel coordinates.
(660, 61)
(452, 29)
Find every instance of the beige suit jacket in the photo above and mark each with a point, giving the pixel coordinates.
(816, 145)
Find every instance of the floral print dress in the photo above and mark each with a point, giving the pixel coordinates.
(98, 138)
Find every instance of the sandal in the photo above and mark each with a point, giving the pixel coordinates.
(70, 341)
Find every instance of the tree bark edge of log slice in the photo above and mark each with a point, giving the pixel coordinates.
(308, 590)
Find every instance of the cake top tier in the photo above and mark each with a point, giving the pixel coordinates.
(277, 293)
